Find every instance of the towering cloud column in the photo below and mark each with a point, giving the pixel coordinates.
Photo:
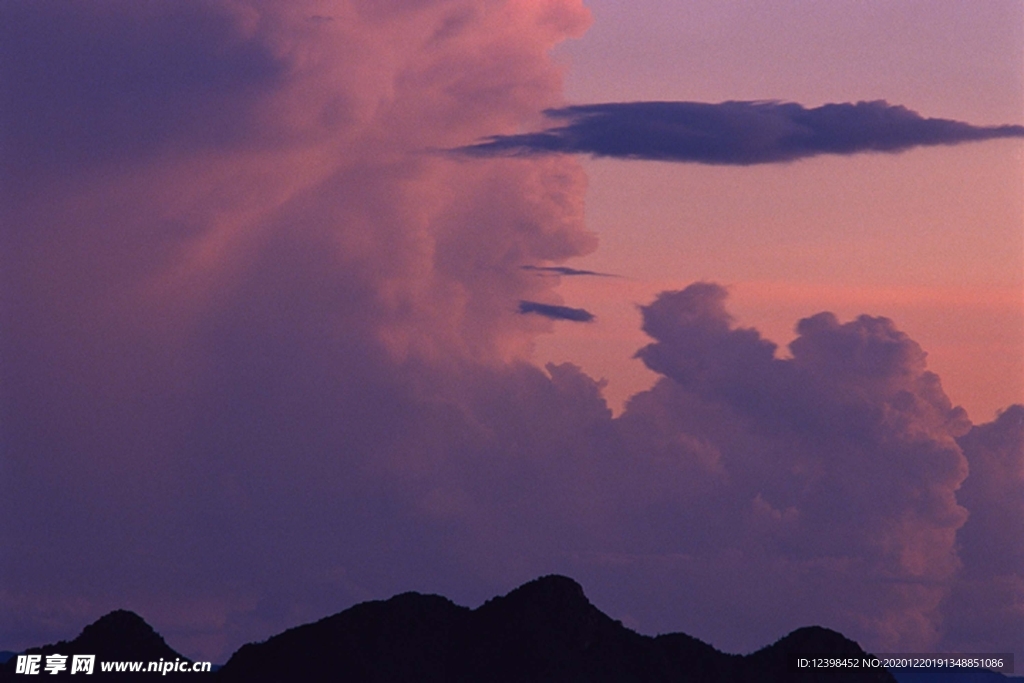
(233, 257)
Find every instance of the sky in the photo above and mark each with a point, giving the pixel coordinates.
(955, 278)
(715, 307)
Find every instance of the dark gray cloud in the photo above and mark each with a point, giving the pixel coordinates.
(578, 315)
(564, 270)
(735, 133)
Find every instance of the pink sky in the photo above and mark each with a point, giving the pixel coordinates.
(932, 238)
(269, 347)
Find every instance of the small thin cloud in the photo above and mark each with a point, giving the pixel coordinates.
(563, 270)
(735, 133)
(577, 315)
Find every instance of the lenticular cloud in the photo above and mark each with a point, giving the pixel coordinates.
(264, 357)
(735, 133)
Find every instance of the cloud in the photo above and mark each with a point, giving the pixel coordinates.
(553, 312)
(835, 468)
(114, 86)
(563, 270)
(735, 133)
(985, 609)
(233, 274)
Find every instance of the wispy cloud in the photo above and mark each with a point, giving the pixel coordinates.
(563, 270)
(578, 315)
(736, 133)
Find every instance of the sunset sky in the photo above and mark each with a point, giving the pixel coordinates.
(931, 238)
(715, 306)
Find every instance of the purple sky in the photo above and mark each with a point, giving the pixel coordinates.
(266, 350)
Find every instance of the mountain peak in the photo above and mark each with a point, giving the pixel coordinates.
(119, 622)
(123, 634)
(553, 583)
(120, 635)
(553, 605)
(819, 638)
(554, 590)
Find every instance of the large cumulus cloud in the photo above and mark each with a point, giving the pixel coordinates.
(235, 276)
(985, 610)
(263, 356)
(831, 473)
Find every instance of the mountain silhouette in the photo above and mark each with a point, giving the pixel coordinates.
(545, 631)
(118, 636)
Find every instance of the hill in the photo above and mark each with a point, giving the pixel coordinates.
(545, 631)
